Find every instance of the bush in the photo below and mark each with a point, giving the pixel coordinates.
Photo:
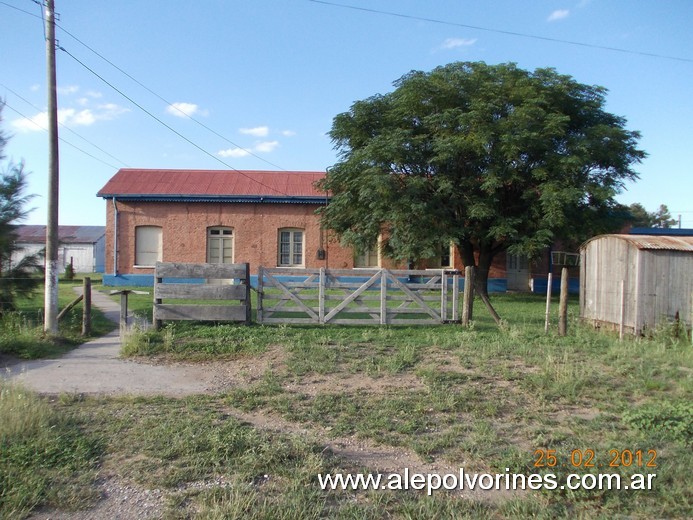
(673, 421)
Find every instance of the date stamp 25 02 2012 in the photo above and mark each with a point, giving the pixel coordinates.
(589, 458)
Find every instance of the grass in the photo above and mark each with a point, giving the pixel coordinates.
(481, 398)
(21, 331)
(45, 460)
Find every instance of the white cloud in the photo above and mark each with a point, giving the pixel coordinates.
(70, 117)
(260, 147)
(183, 109)
(233, 152)
(559, 14)
(288, 133)
(68, 89)
(454, 43)
(35, 88)
(258, 131)
(266, 146)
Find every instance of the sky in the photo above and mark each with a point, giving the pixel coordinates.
(262, 80)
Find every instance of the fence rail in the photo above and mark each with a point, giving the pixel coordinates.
(358, 296)
(204, 284)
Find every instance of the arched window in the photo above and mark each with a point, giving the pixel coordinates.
(290, 248)
(220, 245)
(148, 246)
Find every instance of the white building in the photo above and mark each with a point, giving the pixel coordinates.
(82, 246)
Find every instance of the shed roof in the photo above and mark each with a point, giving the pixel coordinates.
(204, 185)
(652, 242)
(33, 234)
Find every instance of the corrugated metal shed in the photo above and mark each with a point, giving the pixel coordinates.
(204, 184)
(83, 246)
(663, 243)
(651, 275)
(32, 234)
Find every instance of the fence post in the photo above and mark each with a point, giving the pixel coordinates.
(383, 296)
(321, 297)
(157, 301)
(260, 286)
(563, 304)
(123, 313)
(443, 297)
(456, 297)
(248, 306)
(86, 306)
(468, 302)
(548, 302)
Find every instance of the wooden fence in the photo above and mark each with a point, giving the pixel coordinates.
(204, 284)
(358, 296)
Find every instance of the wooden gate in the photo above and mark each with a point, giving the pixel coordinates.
(358, 296)
(212, 292)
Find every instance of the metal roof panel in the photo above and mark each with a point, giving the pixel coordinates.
(129, 181)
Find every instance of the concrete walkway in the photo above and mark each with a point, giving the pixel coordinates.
(96, 368)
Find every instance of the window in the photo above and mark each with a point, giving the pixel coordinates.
(368, 258)
(443, 259)
(290, 247)
(148, 246)
(220, 245)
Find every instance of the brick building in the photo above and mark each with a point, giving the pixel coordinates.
(261, 217)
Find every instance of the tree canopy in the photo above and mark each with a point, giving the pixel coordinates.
(486, 157)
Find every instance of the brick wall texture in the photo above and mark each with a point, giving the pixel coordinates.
(255, 234)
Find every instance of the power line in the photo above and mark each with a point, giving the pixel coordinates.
(166, 125)
(63, 140)
(22, 10)
(63, 126)
(197, 121)
(500, 31)
(151, 114)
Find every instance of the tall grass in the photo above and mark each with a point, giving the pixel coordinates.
(22, 335)
(44, 457)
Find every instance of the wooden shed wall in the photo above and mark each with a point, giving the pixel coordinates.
(604, 263)
(658, 284)
(666, 286)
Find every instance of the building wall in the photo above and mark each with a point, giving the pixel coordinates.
(184, 233)
(82, 255)
(255, 229)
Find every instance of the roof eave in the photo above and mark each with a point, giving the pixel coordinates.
(254, 199)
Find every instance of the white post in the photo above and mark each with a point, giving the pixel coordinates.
(321, 297)
(383, 297)
(548, 302)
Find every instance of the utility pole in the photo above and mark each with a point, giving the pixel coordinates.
(51, 289)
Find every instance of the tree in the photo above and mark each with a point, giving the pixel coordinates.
(486, 157)
(640, 217)
(662, 218)
(15, 278)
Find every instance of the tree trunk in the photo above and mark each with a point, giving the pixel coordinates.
(482, 269)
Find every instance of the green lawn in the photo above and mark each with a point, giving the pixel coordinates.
(21, 331)
(481, 398)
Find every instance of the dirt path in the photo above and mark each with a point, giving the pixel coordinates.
(96, 368)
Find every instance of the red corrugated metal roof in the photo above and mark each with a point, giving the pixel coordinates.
(138, 182)
(648, 242)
